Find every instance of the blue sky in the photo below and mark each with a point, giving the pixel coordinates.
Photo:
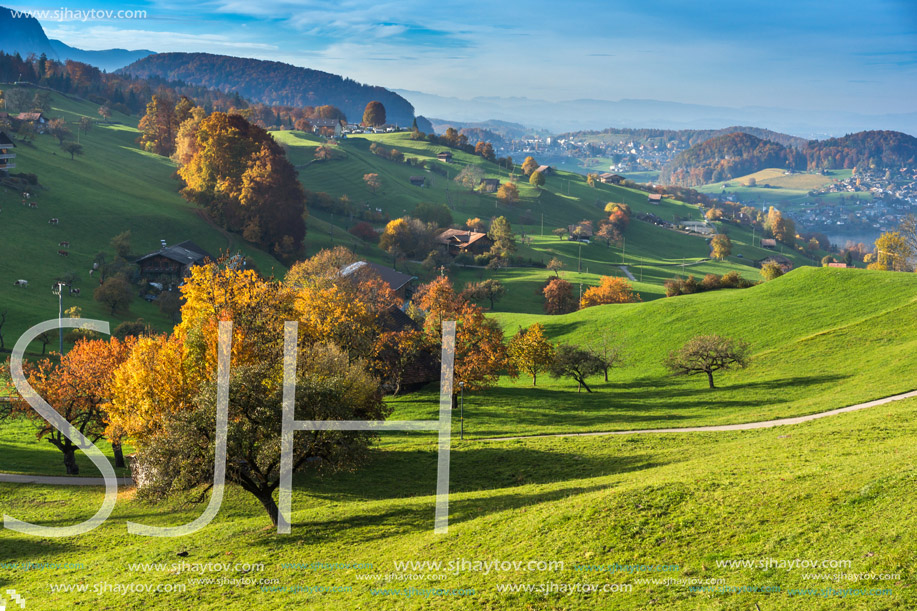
(840, 55)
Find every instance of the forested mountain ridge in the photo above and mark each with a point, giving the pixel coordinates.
(273, 83)
(737, 154)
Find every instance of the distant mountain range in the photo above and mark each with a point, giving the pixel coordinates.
(273, 83)
(24, 35)
(736, 154)
(574, 115)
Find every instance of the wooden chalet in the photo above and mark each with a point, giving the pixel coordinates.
(173, 262)
(458, 241)
(7, 156)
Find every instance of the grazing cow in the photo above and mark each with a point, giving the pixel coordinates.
(74, 291)
(63, 253)
(53, 221)
(92, 271)
(22, 283)
(33, 205)
(64, 244)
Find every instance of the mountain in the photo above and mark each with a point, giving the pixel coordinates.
(725, 157)
(24, 35)
(737, 154)
(273, 83)
(504, 129)
(682, 137)
(582, 114)
(108, 60)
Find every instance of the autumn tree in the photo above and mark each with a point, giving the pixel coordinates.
(771, 270)
(782, 228)
(477, 225)
(105, 112)
(555, 265)
(713, 214)
(529, 165)
(374, 114)
(79, 388)
(242, 177)
(721, 246)
(558, 297)
(59, 129)
(470, 176)
(536, 179)
(480, 354)
(708, 354)
(166, 394)
(491, 290)
(186, 136)
(372, 181)
(407, 237)
(508, 193)
(575, 362)
(530, 352)
(893, 252)
(610, 290)
(560, 232)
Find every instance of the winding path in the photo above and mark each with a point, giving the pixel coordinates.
(747, 426)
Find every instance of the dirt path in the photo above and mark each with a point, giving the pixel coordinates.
(627, 273)
(747, 426)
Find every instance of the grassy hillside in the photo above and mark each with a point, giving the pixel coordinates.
(685, 501)
(820, 339)
(111, 188)
(651, 253)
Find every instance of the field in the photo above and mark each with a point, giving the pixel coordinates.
(113, 187)
(772, 186)
(688, 504)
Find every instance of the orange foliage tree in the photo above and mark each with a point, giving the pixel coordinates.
(610, 290)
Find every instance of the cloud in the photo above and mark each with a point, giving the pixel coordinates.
(108, 37)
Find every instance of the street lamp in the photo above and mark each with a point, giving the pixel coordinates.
(59, 291)
(462, 410)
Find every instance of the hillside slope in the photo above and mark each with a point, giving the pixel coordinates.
(112, 187)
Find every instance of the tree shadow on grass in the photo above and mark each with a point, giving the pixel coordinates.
(408, 518)
(409, 473)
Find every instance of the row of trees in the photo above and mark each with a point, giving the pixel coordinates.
(559, 298)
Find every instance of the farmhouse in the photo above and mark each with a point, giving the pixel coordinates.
(6, 153)
(458, 241)
(398, 282)
(490, 185)
(785, 263)
(654, 198)
(37, 118)
(836, 264)
(611, 179)
(545, 170)
(420, 369)
(318, 125)
(444, 156)
(172, 261)
(768, 243)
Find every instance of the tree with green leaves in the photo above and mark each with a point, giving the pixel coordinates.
(536, 179)
(771, 270)
(491, 290)
(72, 148)
(720, 246)
(530, 352)
(708, 354)
(504, 240)
(577, 363)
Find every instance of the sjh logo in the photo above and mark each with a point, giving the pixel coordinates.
(14, 598)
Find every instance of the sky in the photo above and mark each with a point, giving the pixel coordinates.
(840, 55)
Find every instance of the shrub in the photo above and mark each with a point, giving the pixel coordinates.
(365, 232)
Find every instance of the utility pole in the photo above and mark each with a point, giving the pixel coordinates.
(60, 314)
(579, 261)
(542, 224)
